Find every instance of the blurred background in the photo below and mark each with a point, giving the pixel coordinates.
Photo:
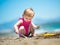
(47, 14)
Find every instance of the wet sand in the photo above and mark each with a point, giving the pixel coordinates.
(15, 40)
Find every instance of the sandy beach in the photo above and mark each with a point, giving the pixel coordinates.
(15, 40)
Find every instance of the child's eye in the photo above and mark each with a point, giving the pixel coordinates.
(26, 18)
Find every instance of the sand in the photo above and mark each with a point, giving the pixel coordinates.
(15, 40)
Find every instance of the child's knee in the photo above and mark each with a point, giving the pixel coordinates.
(32, 31)
(21, 28)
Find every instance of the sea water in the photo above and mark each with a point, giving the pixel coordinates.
(42, 29)
(48, 28)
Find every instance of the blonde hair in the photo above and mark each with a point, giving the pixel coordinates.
(29, 9)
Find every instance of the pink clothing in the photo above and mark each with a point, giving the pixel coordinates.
(25, 24)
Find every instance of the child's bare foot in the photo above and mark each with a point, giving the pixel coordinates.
(25, 37)
(31, 35)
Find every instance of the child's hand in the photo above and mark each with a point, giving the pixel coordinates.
(17, 31)
(38, 27)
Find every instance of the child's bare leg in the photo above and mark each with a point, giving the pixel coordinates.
(21, 31)
(31, 31)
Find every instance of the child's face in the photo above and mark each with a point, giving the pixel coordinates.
(28, 15)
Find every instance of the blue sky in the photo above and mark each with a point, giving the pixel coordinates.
(45, 10)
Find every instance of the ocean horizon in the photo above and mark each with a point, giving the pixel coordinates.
(42, 29)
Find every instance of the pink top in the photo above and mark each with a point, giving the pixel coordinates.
(25, 24)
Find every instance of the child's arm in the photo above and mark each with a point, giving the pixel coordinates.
(16, 26)
(34, 26)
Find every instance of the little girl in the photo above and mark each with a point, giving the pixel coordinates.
(25, 27)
